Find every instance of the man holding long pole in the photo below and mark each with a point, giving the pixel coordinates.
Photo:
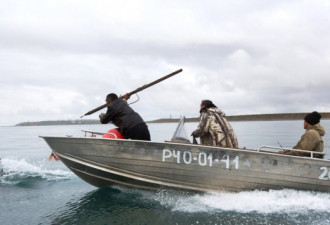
(130, 124)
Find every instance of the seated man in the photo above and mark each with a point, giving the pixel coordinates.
(312, 138)
(130, 123)
(213, 128)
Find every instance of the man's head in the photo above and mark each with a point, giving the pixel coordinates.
(312, 118)
(111, 97)
(207, 104)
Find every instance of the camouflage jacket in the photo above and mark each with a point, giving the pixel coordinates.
(311, 140)
(214, 129)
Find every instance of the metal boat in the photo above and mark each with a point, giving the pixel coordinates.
(179, 164)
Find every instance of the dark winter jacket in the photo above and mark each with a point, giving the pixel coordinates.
(121, 115)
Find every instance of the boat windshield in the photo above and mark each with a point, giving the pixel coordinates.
(180, 133)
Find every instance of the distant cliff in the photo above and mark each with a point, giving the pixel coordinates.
(278, 116)
(58, 122)
(255, 117)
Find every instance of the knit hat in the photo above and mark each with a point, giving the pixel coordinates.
(313, 118)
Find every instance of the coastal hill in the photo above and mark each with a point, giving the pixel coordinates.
(254, 117)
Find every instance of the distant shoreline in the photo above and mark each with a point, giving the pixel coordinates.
(254, 117)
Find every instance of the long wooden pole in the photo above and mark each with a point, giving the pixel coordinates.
(135, 91)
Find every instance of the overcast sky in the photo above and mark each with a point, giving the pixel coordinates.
(59, 59)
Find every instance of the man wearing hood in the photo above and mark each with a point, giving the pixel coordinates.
(213, 128)
(312, 138)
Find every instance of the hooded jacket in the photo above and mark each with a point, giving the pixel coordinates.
(214, 129)
(311, 140)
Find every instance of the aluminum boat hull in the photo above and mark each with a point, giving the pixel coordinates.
(154, 165)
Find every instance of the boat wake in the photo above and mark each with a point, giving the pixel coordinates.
(14, 172)
(273, 201)
(265, 202)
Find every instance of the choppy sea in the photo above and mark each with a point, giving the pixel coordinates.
(34, 190)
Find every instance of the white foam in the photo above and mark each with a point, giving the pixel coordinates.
(272, 201)
(23, 168)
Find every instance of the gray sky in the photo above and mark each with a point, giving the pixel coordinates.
(59, 59)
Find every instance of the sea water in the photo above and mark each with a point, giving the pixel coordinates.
(34, 190)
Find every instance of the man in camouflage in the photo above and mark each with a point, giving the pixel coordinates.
(213, 128)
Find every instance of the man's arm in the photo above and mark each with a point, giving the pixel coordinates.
(308, 141)
(203, 126)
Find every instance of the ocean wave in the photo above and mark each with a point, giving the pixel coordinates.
(14, 171)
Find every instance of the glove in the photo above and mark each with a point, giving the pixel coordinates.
(127, 96)
(194, 134)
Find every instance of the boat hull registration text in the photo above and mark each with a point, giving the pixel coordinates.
(202, 158)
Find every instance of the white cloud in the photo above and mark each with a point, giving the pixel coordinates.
(63, 57)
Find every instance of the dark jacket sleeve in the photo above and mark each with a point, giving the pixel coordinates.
(109, 115)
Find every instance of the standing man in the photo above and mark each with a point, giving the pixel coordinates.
(312, 138)
(130, 123)
(213, 128)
